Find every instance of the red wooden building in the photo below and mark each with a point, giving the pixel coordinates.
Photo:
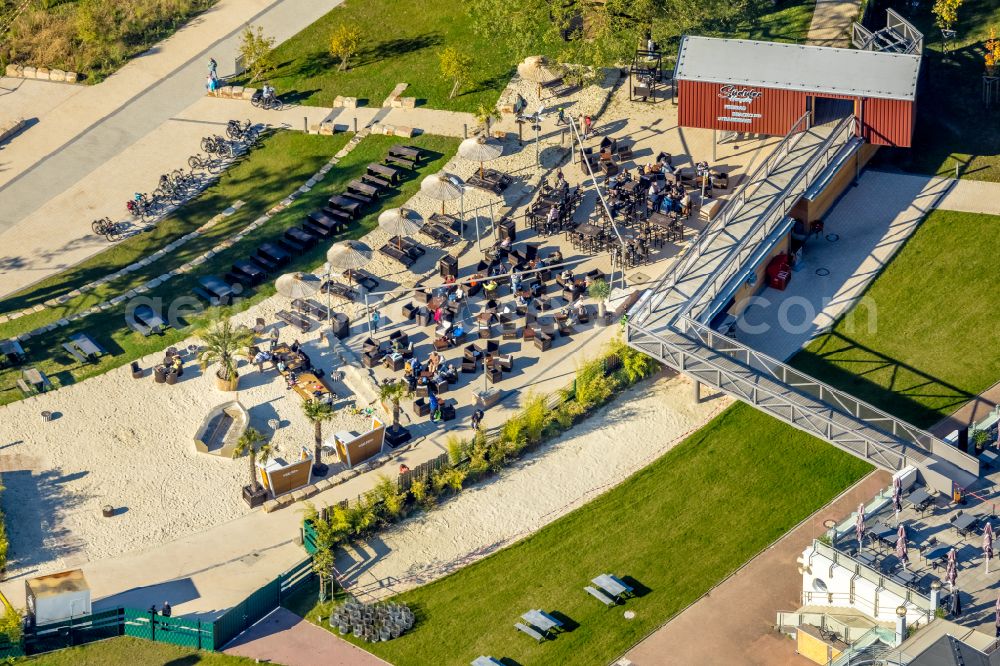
(765, 87)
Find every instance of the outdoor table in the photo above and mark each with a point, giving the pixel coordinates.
(866, 559)
(661, 220)
(363, 188)
(406, 151)
(631, 186)
(589, 230)
(935, 554)
(485, 661)
(11, 348)
(541, 620)
(611, 585)
(918, 499)
(352, 206)
(884, 534)
(904, 577)
(385, 171)
(36, 378)
(965, 522)
(86, 345)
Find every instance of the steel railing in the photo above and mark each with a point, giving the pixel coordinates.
(914, 599)
(803, 415)
(733, 206)
(823, 622)
(803, 179)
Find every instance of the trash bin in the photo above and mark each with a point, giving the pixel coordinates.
(448, 266)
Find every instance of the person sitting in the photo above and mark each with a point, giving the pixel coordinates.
(296, 346)
(664, 159)
(553, 216)
(566, 276)
(281, 365)
(554, 258)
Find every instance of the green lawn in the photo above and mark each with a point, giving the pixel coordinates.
(953, 126)
(674, 530)
(933, 343)
(133, 652)
(281, 163)
(108, 328)
(402, 44)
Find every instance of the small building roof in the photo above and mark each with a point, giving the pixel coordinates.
(817, 69)
(58, 583)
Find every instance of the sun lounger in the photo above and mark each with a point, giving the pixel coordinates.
(394, 252)
(297, 321)
(410, 247)
(364, 278)
(600, 596)
(491, 181)
(311, 308)
(530, 631)
(339, 290)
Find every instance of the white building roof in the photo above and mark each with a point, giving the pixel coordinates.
(817, 69)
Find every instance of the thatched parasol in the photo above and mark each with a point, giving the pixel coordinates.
(400, 222)
(349, 255)
(297, 285)
(480, 149)
(442, 187)
(536, 69)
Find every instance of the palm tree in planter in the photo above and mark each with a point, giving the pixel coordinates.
(392, 392)
(223, 343)
(254, 445)
(318, 412)
(599, 290)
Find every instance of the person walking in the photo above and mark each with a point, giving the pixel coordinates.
(212, 67)
(588, 126)
(561, 118)
(376, 317)
(166, 609)
(432, 402)
(210, 83)
(477, 419)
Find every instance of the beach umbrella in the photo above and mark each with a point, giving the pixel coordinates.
(536, 69)
(859, 526)
(442, 187)
(897, 500)
(349, 256)
(297, 285)
(988, 545)
(400, 222)
(480, 149)
(901, 546)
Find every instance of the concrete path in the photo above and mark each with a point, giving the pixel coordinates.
(285, 638)
(831, 22)
(739, 614)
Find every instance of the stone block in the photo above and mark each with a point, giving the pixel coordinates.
(226, 91)
(248, 93)
(314, 129)
(396, 103)
(57, 75)
(507, 109)
(72, 77)
(270, 505)
(283, 500)
(350, 102)
(28, 72)
(326, 129)
(236, 92)
(338, 101)
(389, 130)
(403, 130)
(408, 102)
(42, 73)
(14, 71)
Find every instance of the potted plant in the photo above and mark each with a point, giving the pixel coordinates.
(223, 343)
(485, 115)
(600, 290)
(392, 392)
(254, 445)
(979, 438)
(318, 412)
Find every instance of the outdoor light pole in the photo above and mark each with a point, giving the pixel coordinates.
(537, 126)
(329, 296)
(368, 315)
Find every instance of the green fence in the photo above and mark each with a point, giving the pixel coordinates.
(150, 626)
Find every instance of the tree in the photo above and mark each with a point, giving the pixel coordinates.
(329, 533)
(257, 52)
(223, 343)
(946, 13)
(318, 412)
(456, 66)
(393, 392)
(599, 290)
(254, 444)
(344, 43)
(992, 57)
(485, 115)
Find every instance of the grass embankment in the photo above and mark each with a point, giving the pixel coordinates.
(109, 329)
(401, 43)
(923, 341)
(674, 530)
(953, 125)
(91, 37)
(133, 652)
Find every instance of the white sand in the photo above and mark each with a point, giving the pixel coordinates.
(638, 427)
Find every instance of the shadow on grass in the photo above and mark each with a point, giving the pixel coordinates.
(846, 365)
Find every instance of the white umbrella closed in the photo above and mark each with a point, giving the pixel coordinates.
(349, 255)
(297, 285)
(442, 187)
(480, 149)
(859, 526)
(400, 222)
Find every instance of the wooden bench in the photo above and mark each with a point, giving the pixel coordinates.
(401, 161)
(301, 323)
(600, 596)
(530, 631)
(74, 352)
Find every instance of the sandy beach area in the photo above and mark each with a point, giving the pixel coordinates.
(639, 426)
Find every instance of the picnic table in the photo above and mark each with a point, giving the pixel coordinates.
(34, 380)
(935, 554)
(82, 347)
(409, 152)
(964, 523)
(146, 321)
(884, 534)
(919, 499)
(11, 348)
(541, 620)
(589, 230)
(217, 291)
(389, 173)
(483, 660)
(612, 585)
(364, 188)
(346, 204)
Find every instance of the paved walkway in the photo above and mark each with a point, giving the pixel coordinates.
(285, 638)
(739, 614)
(91, 147)
(971, 412)
(831, 22)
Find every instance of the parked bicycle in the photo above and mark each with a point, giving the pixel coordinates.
(217, 145)
(267, 102)
(204, 162)
(105, 227)
(143, 206)
(246, 132)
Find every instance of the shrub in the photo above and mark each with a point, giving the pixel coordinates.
(456, 450)
(535, 415)
(386, 491)
(593, 387)
(422, 494)
(10, 625)
(344, 43)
